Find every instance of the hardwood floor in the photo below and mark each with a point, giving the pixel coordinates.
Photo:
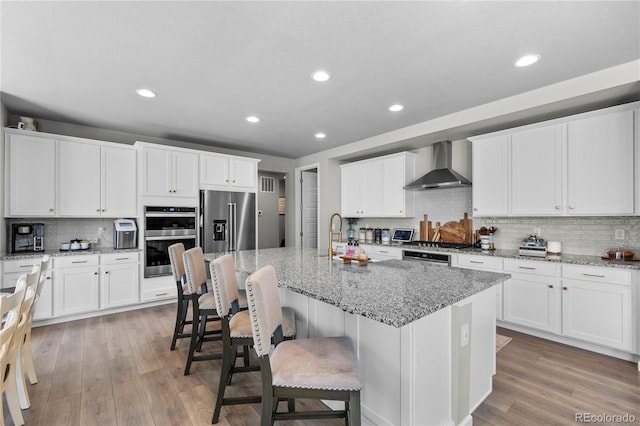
(118, 370)
(539, 382)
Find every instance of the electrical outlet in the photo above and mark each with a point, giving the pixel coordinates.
(537, 231)
(619, 234)
(100, 230)
(464, 335)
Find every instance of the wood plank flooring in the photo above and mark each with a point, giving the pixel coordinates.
(118, 370)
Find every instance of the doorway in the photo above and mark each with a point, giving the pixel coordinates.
(307, 188)
(271, 209)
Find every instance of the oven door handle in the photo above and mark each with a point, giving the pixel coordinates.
(166, 215)
(171, 237)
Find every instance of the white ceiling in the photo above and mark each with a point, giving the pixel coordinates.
(214, 63)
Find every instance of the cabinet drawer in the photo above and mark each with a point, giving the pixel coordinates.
(479, 262)
(22, 265)
(593, 273)
(117, 258)
(74, 261)
(531, 267)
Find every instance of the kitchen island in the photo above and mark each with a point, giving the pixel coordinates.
(425, 333)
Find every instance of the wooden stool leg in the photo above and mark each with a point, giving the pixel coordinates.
(194, 338)
(179, 323)
(228, 359)
(354, 408)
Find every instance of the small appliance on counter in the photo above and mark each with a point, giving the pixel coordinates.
(533, 246)
(125, 234)
(26, 237)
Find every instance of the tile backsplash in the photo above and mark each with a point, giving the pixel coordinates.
(578, 235)
(57, 231)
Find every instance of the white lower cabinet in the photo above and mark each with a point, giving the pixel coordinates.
(76, 285)
(531, 296)
(377, 252)
(485, 263)
(12, 269)
(158, 288)
(598, 307)
(119, 279)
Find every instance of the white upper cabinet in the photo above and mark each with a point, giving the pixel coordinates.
(375, 187)
(576, 166)
(30, 176)
(536, 172)
(228, 173)
(490, 177)
(600, 167)
(169, 173)
(96, 180)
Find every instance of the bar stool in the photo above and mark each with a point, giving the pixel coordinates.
(184, 296)
(236, 330)
(320, 368)
(203, 306)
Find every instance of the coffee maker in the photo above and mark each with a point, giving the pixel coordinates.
(26, 237)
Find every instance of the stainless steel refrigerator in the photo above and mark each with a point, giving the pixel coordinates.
(227, 221)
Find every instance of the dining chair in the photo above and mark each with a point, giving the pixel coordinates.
(184, 296)
(16, 368)
(27, 352)
(10, 311)
(203, 307)
(236, 331)
(323, 368)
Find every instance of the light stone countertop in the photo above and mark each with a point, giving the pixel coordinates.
(393, 292)
(55, 253)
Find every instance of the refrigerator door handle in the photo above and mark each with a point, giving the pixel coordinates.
(231, 210)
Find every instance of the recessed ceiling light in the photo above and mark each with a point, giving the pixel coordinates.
(146, 93)
(527, 60)
(396, 108)
(320, 76)
(320, 135)
(253, 119)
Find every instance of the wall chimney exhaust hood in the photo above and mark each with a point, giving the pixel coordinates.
(442, 176)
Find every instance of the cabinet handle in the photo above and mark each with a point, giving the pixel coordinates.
(527, 267)
(550, 285)
(50, 210)
(226, 180)
(78, 261)
(106, 272)
(98, 210)
(95, 273)
(571, 206)
(593, 275)
(475, 209)
(384, 251)
(234, 181)
(557, 207)
(122, 258)
(104, 210)
(48, 278)
(476, 261)
(26, 266)
(161, 294)
(564, 288)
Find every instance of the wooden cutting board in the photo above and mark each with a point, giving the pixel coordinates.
(453, 232)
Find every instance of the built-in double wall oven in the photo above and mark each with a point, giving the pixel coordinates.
(164, 226)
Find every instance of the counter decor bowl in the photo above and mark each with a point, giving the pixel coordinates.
(620, 254)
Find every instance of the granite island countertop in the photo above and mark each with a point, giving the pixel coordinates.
(393, 292)
(56, 253)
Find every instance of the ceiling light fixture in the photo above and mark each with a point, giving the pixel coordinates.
(320, 135)
(253, 119)
(145, 93)
(396, 108)
(527, 60)
(320, 76)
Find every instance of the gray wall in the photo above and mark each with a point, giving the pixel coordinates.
(4, 121)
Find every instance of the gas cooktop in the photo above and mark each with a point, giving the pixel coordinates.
(436, 244)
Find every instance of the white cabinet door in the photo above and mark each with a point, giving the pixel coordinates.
(486, 263)
(31, 175)
(491, 177)
(76, 290)
(600, 165)
(118, 178)
(243, 173)
(119, 285)
(370, 188)
(79, 179)
(157, 172)
(185, 174)
(536, 172)
(214, 171)
(44, 305)
(350, 191)
(597, 312)
(397, 202)
(532, 301)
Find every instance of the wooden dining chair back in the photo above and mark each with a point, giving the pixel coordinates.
(10, 310)
(323, 368)
(203, 307)
(184, 295)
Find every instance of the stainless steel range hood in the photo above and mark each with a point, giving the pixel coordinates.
(442, 176)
